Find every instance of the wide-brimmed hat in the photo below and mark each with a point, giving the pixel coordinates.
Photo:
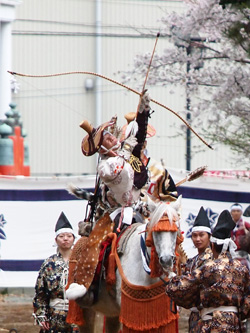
(130, 116)
(91, 143)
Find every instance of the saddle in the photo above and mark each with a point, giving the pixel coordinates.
(104, 255)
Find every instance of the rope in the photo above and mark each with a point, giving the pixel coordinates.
(120, 84)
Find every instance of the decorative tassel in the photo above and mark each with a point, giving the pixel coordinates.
(75, 314)
(165, 225)
(149, 240)
(111, 277)
(156, 269)
(147, 310)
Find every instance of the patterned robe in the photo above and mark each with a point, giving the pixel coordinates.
(50, 284)
(191, 265)
(220, 282)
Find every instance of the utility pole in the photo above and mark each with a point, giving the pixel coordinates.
(181, 41)
(188, 116)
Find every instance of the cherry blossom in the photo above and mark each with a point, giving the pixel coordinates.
(213, 69)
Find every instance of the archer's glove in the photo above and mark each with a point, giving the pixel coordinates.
(128, 147)
(144, 102)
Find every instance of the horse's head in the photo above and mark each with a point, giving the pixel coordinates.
(162, 230)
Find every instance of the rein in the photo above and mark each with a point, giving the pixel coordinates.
(113, 236)
(144, 254)
(153, 266)
(144, 308)
(146, 241)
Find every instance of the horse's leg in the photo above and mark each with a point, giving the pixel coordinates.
(112, 325)
(89, 318)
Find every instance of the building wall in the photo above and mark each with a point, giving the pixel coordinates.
(60, 36)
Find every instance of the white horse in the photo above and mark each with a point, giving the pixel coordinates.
(132, 264)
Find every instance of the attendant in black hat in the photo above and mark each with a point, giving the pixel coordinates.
(219, 288)
(201, 233)
(49, 303)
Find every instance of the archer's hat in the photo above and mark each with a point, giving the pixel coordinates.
(130, 117)
(201, 222)
(63, 225)
(91, 143)
(224, 226)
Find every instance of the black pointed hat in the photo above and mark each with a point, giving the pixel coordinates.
(201, 222)
(63, 225)
(224, 226)
(247, 212)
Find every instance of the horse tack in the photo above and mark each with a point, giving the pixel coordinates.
(87, 264)
(83, 263)
(75, 313)
(146, 309)
(152, 307)
(162, 225)
(122, 241)
(139, 278)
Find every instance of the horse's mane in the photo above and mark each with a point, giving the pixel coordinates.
(162, 208)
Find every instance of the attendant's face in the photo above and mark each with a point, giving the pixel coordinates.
(236, 214)
(65, 240)
(201, 240)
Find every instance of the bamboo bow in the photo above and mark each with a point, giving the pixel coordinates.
(118, 83)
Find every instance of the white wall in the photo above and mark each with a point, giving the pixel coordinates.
(7, 15)
(53, 108)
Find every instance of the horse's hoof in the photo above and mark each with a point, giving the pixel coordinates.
(75, 291)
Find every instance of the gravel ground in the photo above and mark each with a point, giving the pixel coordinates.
(16, 313)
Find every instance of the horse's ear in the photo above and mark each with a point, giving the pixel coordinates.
(177, 204)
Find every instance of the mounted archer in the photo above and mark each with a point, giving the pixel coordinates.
(122, 175)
